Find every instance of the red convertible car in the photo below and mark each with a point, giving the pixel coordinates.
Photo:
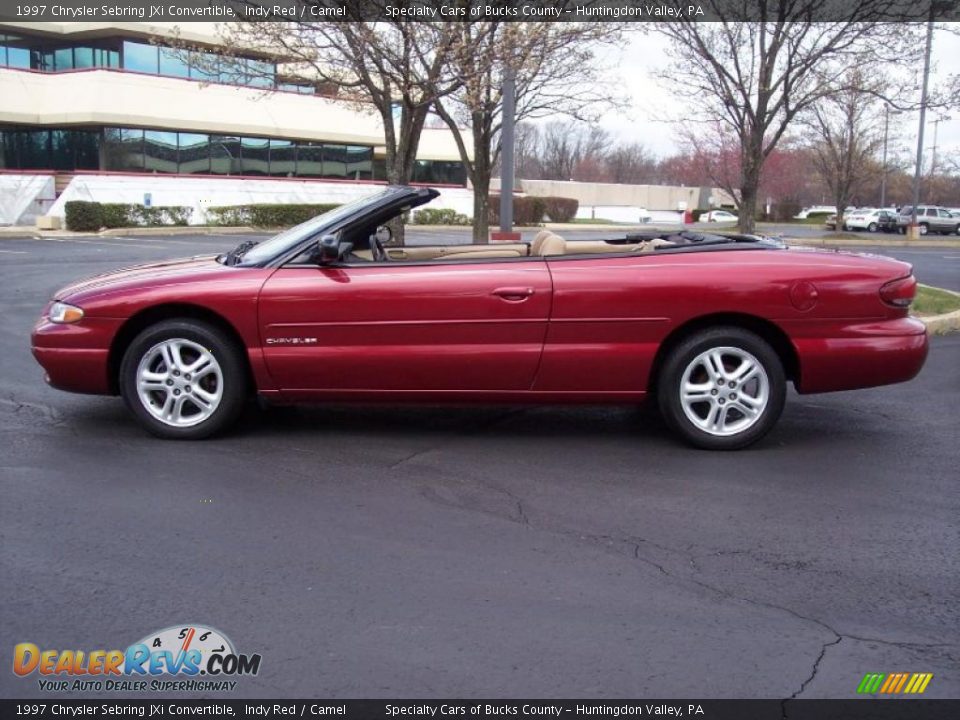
(713, 326)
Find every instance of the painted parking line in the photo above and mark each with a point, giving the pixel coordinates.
(110, 243)
(14, 252)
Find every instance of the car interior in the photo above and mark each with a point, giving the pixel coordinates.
(545, 244)
(371, 241)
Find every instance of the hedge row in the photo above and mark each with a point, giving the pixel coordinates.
(528, 210)
(446, 216)
(91, 216)
(267, 215)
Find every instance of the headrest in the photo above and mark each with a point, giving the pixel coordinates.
(553, 245)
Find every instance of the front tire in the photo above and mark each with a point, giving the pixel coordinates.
(722, 388)
(183, 379)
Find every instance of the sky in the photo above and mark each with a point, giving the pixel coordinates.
(636, 68)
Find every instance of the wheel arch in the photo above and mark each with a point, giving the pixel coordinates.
(138, 322)
(769, 331)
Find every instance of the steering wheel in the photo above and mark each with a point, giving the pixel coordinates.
(377, 249)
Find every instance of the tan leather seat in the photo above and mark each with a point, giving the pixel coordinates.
(538, 241)
(553, 245)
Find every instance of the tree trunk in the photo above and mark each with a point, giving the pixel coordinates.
(749, 188)
(481, 211)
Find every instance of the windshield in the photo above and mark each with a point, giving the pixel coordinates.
(292, 236)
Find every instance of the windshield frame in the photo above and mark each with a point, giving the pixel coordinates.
(289, 242)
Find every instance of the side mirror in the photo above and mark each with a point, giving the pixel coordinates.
(331, 250)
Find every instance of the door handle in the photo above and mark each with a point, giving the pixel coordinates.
(514, 294)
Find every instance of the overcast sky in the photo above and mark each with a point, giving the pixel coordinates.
(636, 68)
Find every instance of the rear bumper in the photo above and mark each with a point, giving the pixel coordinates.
(75, 357)
(862, 355)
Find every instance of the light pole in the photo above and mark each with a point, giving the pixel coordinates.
(506, 151)
(886, 169)
(923, 119)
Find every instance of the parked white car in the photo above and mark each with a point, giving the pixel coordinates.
(863, 219)
(719, 216)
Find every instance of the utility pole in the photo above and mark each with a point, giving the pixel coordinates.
(923, 120)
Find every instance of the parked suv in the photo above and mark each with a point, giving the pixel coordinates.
(930, 219)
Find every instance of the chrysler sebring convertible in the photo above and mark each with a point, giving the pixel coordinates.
(711, 326)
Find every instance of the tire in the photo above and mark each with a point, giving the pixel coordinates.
(872, 227)
(170, 401)
(692, 361)
(924, 228)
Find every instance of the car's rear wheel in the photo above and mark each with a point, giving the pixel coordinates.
(722, 389)
(872, 227)
(183, 379)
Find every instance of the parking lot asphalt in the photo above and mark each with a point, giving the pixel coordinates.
(481, 552)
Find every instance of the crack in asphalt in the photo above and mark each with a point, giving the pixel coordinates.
(813, 674)
(631, 546)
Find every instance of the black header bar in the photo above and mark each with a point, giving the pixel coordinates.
(635, 11)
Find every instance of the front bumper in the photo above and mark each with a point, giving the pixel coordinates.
(75, 356)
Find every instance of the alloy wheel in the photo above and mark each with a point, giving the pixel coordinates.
(179, 382)
(724, 391)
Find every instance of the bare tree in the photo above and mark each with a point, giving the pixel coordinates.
(526, 151)
(566, 145)
(631, 163)
(756, 77)
(396, 68)
(846, 137)
(556, 72)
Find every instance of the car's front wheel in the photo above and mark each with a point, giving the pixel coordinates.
(722, 389)
(183, 379)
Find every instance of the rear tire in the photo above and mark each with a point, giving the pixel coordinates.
(183, 379)
(722, 388)
(872, 227)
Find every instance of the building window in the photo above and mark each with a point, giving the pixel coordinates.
(172, 64)
(13, 53)
(141, 58)
(283, 158)
(194, 154)
(123, 149)
(224, 155)
(256, 156)
(160, 151)
(117, 149)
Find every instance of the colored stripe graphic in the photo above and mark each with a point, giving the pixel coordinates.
(894, 683)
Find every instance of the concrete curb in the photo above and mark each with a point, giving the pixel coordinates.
(945, 323)
(947, 244)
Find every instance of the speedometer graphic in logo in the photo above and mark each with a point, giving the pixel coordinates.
(181, 639)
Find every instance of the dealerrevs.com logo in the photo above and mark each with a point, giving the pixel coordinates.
(178, 658)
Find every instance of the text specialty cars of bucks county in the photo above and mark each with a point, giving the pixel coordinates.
(712, 326)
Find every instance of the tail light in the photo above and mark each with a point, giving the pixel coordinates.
(899, 293)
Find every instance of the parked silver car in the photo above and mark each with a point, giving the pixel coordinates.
(930, 218)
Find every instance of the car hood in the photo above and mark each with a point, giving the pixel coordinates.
(142, 276)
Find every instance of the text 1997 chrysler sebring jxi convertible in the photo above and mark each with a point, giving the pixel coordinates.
(713, 325)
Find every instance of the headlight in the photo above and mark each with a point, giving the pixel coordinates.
(63, 313)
